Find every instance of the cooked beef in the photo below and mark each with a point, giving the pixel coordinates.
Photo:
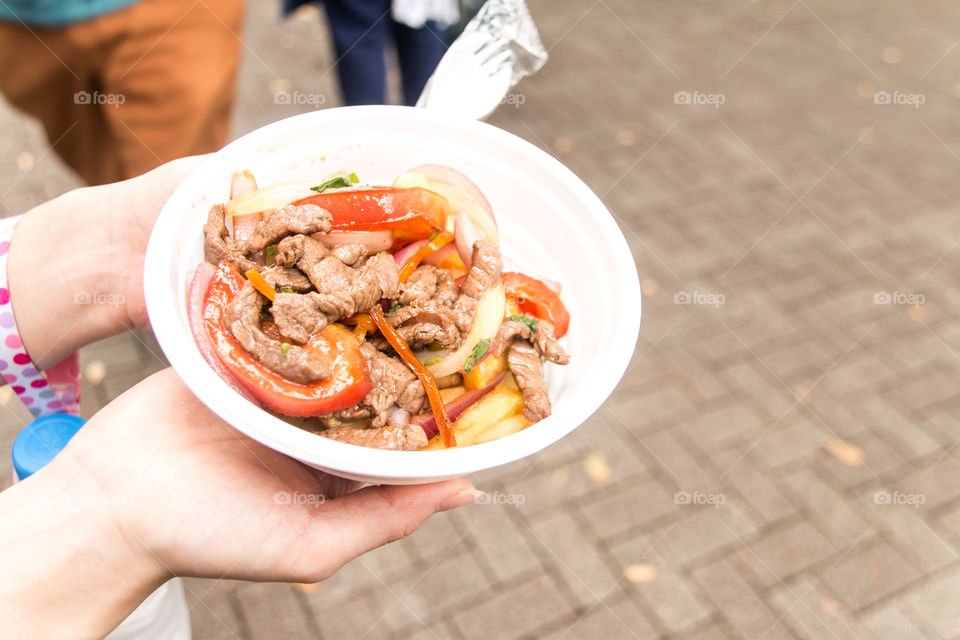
(293, 362)
(278, 223)
(218, 246)
(427, 282)
(526, 367)
(297, 316)
(284, 278)
(542, 338)
(350, 254)
(425, 323)
(485, 270)
(393, 382)
(409, 437)
(341, 290)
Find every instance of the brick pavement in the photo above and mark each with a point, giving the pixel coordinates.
(717, 472)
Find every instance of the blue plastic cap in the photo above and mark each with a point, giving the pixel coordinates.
(41, 440)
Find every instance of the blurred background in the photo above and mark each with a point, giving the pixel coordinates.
(780, 460)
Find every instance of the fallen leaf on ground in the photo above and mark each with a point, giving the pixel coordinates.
(849, 454)
(640, 573)
(597, 468)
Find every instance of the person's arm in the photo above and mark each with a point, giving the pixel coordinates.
(75, 265)
(156, 486)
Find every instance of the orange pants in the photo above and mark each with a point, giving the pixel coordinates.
(129, 90)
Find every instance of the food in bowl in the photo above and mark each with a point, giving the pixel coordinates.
(375, 315)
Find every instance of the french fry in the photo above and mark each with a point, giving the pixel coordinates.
(503, 428)
(450, 393)
(485, 371)
(491, 409)
(451, 380)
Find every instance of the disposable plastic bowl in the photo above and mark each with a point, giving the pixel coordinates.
(552, 225)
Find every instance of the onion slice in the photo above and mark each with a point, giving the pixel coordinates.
(465, 236)
(273, 197)
(486, 324)
(195, 298)
(372, 241)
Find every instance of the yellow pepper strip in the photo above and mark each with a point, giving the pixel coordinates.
(427, 250)
(364, 325)
(260, 284)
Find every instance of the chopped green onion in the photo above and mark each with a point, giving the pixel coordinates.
(433, 235)
(332, 183)
(395, 308)
(284, 348)
(286, 290)
(530, 322)
(270, 251)
(478, 352)
(390, 351)
(353, 178)
(433, 360)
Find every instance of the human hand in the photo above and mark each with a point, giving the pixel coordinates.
(75, 269)
(178, 492)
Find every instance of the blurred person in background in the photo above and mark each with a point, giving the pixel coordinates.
(363, 30)
(122, 86)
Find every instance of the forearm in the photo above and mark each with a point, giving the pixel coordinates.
(67, 572)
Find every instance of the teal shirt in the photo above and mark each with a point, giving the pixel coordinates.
(57, 13)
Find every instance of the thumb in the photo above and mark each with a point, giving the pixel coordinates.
(366, 519)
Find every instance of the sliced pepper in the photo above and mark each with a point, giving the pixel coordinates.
(408, 213)
(440, 240)
(348, 383)
(260, 284)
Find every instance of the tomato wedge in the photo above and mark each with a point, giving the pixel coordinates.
(535, 298)
(409, 213)
(349, 381)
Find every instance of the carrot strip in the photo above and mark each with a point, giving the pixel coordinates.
(260, 284)
(426, 378)
(438, 242)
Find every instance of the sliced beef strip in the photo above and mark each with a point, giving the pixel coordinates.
(286, 278)
(218, 246)
(429, 283)
(542, 338)
(294, 363)
(341, 290)
(297, 316)
(393, 382)
(279, 223)
(485, 270)
(408, 437)
(426, 322)
(525, 365)
(350, 254)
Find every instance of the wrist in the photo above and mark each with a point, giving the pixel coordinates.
(65, 279)
(69, 571)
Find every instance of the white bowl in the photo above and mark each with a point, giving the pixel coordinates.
(552, 225)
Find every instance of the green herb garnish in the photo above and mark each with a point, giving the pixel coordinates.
(478, 352)
(432, 361)
(390, 351)
(395, 308)
(286, 290)
(353, 178)
(332, 183)
(270, 251)
(284, 349)
(530, 322)
(433, 235)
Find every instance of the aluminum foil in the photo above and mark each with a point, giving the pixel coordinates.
(498, 48)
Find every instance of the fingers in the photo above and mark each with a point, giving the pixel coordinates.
(374, 516)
